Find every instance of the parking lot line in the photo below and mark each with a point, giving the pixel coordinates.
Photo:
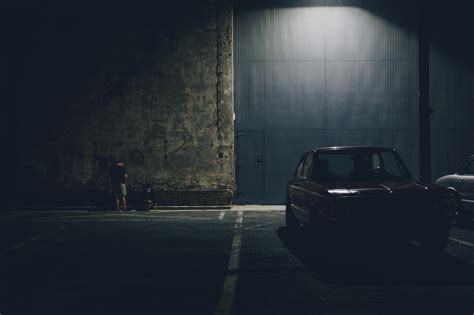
(235, 254)
(228, 292)
(461, 242)
(221, 215)
(238, 221)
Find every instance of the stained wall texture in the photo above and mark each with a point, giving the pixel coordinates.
(100, 82)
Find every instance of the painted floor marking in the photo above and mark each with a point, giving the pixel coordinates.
(238, 222)
(18, 245)
(260, 225)
(461, 242)
(230, 283)
(234, 259)
(221, 215)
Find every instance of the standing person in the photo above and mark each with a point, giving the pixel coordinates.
(118, 176)
(149, 197)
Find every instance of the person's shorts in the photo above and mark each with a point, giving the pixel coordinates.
(119, 189)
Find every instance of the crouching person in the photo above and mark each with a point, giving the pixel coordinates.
(148, 198)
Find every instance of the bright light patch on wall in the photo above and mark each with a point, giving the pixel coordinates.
(328, 33)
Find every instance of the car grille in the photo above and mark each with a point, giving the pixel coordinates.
(368, 211)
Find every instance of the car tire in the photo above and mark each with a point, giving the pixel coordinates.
(434, 242)
(464, 218)
(290, 218)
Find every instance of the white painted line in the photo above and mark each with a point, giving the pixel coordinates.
(461, 242)
(221, 215)
(234, 259)
(227, 299)
(223, 210)
(258, 207)
(230, 283)
(240, 218)
(18, 245)
(259, 225)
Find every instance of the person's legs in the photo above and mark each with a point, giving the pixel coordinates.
(123, 190)
(124, 203)
(149, 205)
(117, 203)
(117, 193)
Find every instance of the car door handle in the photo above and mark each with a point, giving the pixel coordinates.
(461, 180)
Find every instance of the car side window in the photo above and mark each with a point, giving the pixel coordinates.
(308, 165)
(469, 170)
(299, 170)
(390, 163)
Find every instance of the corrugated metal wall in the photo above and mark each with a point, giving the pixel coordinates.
(451, 87)
(452, 119)
(312, 76)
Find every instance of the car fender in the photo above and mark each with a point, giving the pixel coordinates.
(455, 192)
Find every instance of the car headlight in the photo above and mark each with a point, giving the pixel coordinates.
(342, 192)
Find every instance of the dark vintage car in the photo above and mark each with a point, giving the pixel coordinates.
(368, 189)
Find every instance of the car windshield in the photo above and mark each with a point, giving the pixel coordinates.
(358, 166)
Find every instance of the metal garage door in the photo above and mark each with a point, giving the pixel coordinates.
(310, 76)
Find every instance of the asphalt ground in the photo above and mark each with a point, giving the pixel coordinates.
(236, 261)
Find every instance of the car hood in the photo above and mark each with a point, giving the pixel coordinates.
(383, 187)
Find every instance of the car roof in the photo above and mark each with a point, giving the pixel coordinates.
(354, 148)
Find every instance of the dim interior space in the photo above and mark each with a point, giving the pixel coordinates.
(237, 157)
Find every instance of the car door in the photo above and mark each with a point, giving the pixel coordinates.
(295, 187)
(305, 194)
(466, 188)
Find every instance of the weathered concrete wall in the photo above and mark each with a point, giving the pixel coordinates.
(147, 78)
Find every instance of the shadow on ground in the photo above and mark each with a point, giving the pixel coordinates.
(469, 226)
(346, 262)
